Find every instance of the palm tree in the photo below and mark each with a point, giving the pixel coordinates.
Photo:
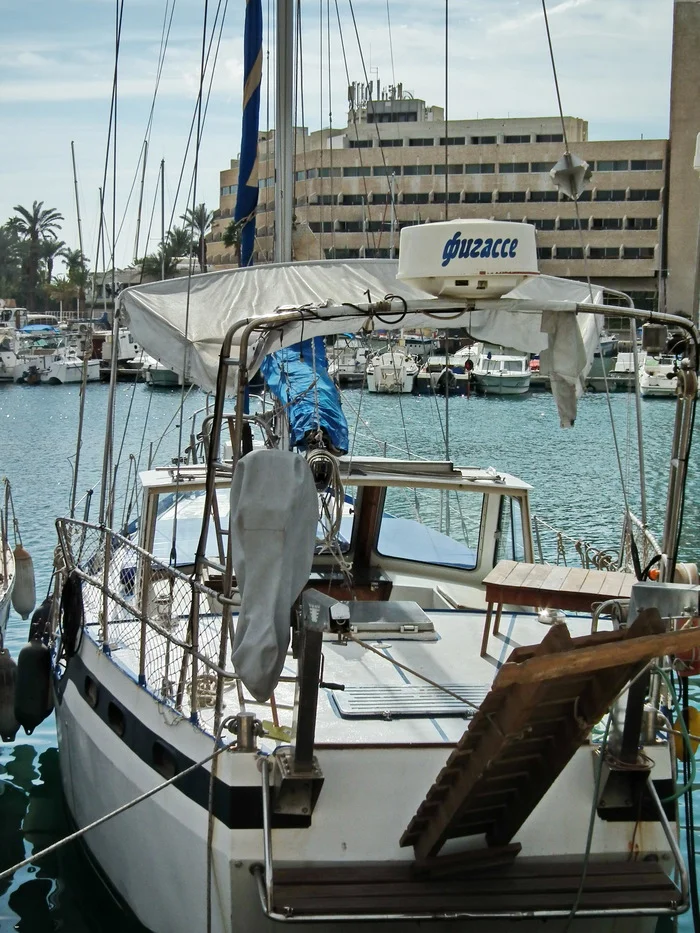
(12, 251)
(34, 225)
(49, 250)
(152, 265)
(178, 243)
(232, 237)
(198, 221)
(78, 275)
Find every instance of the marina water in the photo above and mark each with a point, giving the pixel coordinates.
(576, 487)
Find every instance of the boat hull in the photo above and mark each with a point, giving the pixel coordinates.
(505, 384)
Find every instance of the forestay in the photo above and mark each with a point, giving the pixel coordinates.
(184, 321)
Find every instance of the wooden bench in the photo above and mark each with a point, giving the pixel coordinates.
(543, 586)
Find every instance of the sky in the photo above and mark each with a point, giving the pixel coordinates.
(57, 64)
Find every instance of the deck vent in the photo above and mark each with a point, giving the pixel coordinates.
(407, 701)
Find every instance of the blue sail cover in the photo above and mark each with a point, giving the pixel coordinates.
(247, 193)
(311, 398)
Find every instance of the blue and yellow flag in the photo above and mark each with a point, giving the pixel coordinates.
(247, 194)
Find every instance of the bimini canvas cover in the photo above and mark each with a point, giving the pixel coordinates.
(274, 516)
(182, 322)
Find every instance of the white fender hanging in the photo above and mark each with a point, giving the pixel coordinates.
(24, 593)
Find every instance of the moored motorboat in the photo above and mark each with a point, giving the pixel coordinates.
(657, 376)
(391, 372)
(502, 373)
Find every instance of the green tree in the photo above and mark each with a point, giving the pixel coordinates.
(152, 266)
(232, 237)
(50, 250)
(78, 275)
(178, 243)
(12, 251)
(34, 225)
(198, 222)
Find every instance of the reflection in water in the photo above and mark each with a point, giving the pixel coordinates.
(60, 891)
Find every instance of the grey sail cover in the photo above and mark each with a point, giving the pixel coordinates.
(274, 516)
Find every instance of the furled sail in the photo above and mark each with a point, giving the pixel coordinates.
(247, 193)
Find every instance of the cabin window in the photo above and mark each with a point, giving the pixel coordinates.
(431, 526)
(511, 545)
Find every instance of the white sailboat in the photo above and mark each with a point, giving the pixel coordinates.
(392, 372)
(286, 703)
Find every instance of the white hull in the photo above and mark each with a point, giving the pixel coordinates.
(70, 372)
(155, 854)
(392, 374)
(502, 383)
(7, 584)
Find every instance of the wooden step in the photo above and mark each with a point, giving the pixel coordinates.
(493, 888)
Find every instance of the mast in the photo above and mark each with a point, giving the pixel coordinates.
(162, 219)
(138, 216)
(284, 100)
(77, 206)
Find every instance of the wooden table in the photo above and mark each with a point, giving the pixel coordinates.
(546, 585)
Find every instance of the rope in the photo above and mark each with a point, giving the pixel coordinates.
(103, 819)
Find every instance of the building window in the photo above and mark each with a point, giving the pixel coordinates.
(646, 165)
(569, 252)
(645, 300)
(381, 198)
(606, 223)
(439, 197)
(642, 223)
(356, 171)
(516, 139)
(571, 223)
(421, 142)
(299, 176)
(478, 197)
(376, 253)
(451, 169)
(387, 170)
(549, 138)
(511, 197)
(388, 143)
(545, 223)
(411, 117)
(637, 252)
(544, 195)
(229, 189)
(321, 227)
(329, 172)
(544, 252)
(356, 199)
(603, 252)
(417, 169)
(350, 226)
(612, 165)
(584, 196)
(377, 226)
(452, 141)
(360, 144)
(541, 166)
(416, 198)
(644, 194)
(483, 140)
(480, 168)
(511, 168)
(616, 194)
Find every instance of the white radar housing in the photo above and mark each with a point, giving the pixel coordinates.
(467, 258)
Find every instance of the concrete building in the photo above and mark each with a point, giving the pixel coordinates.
(683, 184)
(394, 157)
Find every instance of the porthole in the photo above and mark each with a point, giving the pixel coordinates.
(164, 761)
(91, 692)
(115, 718)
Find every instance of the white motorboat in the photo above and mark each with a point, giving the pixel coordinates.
(67, 367)
(499, 373)
(382, 692)
(438, 375)
(158, 375)
(657, 376)
(347, 361)
(393, 371)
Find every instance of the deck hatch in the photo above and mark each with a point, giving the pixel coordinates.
(406, 700)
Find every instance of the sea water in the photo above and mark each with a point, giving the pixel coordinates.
(577, 475)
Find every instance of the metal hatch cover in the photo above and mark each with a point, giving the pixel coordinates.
(407, 700)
